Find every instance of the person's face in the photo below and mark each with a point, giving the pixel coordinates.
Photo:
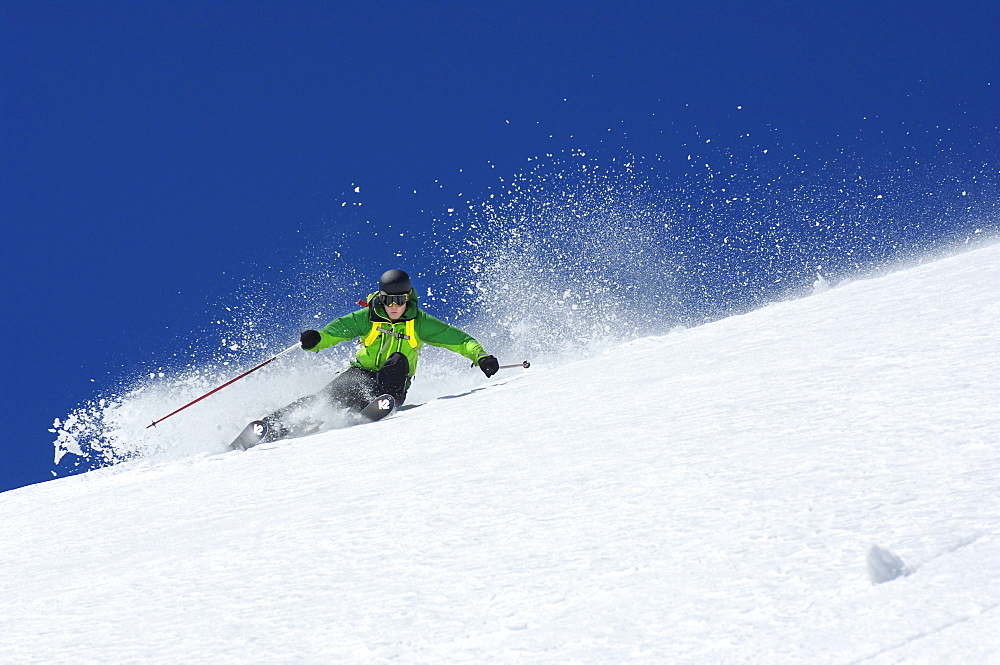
(395, 311)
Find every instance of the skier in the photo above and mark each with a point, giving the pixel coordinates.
(392, 328)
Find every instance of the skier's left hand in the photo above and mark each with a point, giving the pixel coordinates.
(490, 365)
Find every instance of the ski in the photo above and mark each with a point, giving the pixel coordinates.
(379, 408)
(257, 431)
(251, 435)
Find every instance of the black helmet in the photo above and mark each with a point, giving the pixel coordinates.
(395, 282)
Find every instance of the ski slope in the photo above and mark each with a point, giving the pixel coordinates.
(711, 495)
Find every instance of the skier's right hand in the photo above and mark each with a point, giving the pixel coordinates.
(309, 339)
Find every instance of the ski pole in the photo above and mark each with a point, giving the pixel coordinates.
(525, 365)
(215, 390)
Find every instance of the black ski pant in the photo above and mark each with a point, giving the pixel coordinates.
(353, 389)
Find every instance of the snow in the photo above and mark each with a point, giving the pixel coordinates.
(815, 481)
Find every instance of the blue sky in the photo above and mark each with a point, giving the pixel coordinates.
(157, 158)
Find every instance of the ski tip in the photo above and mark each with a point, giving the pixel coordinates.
(379, 407)
(251, 435)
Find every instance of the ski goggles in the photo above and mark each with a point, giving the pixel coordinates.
(394, 299)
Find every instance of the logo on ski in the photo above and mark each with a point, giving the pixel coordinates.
(379, 408)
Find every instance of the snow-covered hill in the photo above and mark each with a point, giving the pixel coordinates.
(713, 495)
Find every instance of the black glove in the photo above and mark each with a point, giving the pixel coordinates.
(489, 365)
(309, 339)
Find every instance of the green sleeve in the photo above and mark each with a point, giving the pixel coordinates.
(436, 332)
(347, 327)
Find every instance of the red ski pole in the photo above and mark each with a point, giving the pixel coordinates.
(215, 390)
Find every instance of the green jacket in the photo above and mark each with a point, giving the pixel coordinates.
(380, 337)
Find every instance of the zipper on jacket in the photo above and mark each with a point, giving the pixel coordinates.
(386, 346)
